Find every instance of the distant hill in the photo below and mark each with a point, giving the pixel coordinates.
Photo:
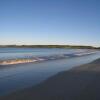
(51, 46)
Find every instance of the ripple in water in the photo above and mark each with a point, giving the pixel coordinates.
(28, 59)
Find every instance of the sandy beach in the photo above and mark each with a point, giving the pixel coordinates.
(79, 83)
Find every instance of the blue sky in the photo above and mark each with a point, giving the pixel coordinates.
(50, 22)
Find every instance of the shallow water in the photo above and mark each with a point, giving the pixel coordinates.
(16, 77)
(10, 56)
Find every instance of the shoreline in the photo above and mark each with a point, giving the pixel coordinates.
(50, 46)
(79, 83)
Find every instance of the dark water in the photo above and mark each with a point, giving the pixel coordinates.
(16, 77)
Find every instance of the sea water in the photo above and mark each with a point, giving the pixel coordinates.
(19, 76)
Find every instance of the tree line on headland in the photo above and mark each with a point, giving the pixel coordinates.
(51, 46)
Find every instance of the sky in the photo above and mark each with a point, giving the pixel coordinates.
(63, 22)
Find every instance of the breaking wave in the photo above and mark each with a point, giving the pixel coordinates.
(32, 59)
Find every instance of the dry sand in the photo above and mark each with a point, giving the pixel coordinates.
(79, 83)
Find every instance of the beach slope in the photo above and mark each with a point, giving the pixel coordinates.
(79, 83)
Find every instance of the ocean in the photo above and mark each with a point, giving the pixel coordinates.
(17, 76)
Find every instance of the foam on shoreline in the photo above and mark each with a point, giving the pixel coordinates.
(43, 58)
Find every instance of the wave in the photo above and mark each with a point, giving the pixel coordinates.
(43, 58)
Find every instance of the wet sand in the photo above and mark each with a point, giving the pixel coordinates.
(79, 83)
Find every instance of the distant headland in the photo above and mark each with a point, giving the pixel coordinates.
(50, 46)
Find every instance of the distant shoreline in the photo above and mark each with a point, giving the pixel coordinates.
(50, 46)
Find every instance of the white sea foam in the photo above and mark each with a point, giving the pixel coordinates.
(44, 58)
